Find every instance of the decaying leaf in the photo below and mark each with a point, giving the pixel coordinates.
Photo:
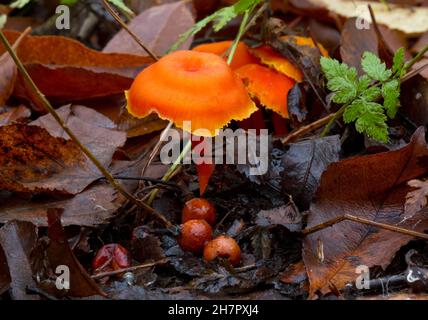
(372, 187)
(286, 215)
(84, 73)
(59, 253)
(18, 239)
(303, 165)
(39, 158)
(158, 27)
(416, 199)
(354, 42)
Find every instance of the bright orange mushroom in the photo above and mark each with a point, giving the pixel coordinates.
(190, 86)
(241, 57)
(268, 56)
(269, 87)
(305, 41)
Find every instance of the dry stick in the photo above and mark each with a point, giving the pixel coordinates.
(132, 34)
(308, 128)
(84, 149)
(372, 223)
(129, 269)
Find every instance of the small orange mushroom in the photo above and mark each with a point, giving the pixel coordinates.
(241, 57)
(269, 87)
(190, 86)
(268, 56)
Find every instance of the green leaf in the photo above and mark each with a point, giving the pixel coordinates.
(398, 61)
(371, 94)
(363, 83)
(369, 119)
(391, 95)
(220, 19)
(341, 80)
(353, 111)
(374, 68)
(372, 121)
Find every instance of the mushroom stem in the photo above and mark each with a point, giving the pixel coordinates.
(171, 169)
(70, 133)
(188, 146)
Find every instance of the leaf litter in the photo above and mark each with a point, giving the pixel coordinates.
(57, 208)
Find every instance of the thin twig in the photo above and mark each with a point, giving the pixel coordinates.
(130, 269)
(132, 34)
(308, 128)
(29, 81)
(372, 223)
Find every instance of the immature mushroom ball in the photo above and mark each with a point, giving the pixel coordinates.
(191, 86)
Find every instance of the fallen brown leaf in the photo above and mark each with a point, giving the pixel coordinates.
(354, 42)
(94, 206)
(39, 158)
(371, 187)
(84, 73)
(59, 253)
(158, 27)
(18, 239)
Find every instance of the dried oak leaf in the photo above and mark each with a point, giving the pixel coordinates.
(84, 73)
(416, 199)
(38, 158)
(158, 27)
(371, 187)
(18, 238)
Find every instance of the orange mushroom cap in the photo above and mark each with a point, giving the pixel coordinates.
(268, 56)
(268, 86)
(190, 86)
(305, 41)
(241, 57)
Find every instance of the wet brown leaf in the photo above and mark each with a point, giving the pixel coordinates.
(354, 42)
(94, 206)
(18, 239)
(303, 164)
(84, 73)
(372, 187)
(38, 158)
(59, 253)
(158, 28)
